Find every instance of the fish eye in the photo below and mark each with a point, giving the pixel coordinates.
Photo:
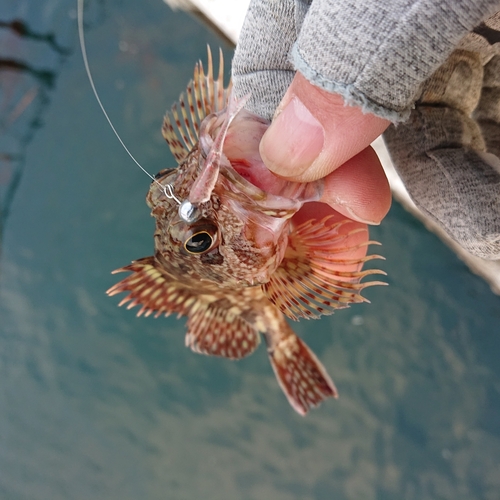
(202, 239)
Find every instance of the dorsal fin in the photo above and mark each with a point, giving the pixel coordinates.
(310, 280)
(204, 95)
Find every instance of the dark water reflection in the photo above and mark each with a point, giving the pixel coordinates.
(95, 403)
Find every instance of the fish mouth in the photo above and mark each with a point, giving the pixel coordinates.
(249, 173)
(255, 184)
(241, 170)
(229, 163)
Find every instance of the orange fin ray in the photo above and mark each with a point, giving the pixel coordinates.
(320, 231)
(312, 281)
(322, 276)
(300, 374)
(220, 332)
(348, 262)
(204, 95)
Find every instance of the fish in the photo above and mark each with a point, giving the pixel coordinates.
(238, 250)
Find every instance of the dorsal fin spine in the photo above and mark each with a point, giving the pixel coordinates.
(220, 82)
(209, 81)
(203, 96)
(187, 126)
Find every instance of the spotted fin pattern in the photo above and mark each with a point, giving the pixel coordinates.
(300, 374)
(212, 330)
(148, 287)
(204, 95)
(221, 332)
(308, 283)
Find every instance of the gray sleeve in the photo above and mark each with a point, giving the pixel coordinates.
(261, 66)
(374, 53)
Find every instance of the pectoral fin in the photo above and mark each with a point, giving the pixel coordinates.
(212, 328)
(149, 287)
(318, 273)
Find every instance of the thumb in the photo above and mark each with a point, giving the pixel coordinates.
(314, 133)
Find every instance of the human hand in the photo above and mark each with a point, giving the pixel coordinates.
(377, 57)
(359, 189)
(315, 135)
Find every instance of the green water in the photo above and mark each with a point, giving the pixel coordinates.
(98, 404)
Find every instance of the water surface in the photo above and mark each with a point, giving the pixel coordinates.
(96, 403)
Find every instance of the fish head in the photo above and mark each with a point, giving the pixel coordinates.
(233, 221)
(239, 233)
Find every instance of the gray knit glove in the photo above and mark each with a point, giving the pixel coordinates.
(377, 55)
(448, 152)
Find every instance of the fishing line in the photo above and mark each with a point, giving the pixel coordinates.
(168, 189)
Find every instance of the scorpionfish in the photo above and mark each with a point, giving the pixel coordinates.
(239, 250)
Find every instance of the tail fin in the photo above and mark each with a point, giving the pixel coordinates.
(300, 374)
